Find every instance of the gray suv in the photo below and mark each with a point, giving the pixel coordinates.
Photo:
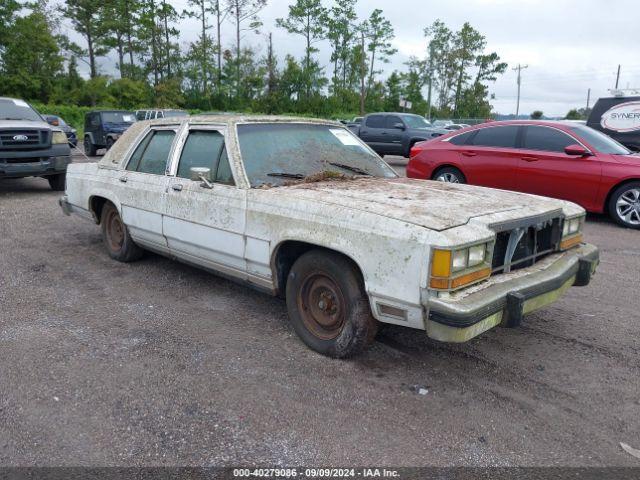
(29, 146)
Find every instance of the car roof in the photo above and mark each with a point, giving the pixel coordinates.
(547, 123)
(235, 119)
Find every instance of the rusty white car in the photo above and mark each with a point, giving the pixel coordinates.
(304, 210)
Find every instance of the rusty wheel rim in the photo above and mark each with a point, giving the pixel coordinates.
(115, 231)
(322, 306)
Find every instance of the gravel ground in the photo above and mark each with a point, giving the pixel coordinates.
(158, 363)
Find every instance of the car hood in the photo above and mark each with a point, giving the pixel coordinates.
(427, 131)
(434, 205)
(633, 159)
(24, 124)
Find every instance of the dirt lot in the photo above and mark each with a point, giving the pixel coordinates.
(158, 363)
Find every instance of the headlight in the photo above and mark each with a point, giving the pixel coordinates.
(572, 232)
(454, 268)
(58, 138)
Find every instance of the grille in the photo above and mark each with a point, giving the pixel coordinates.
(23, 160)
(537, 242)
(23, 139)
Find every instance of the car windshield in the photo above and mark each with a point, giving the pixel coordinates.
(17, 110)
(118, 117)
(598, 140)
(275, 153)
(415, 121)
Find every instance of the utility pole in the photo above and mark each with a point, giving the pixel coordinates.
(519, 69)
(618, 77)
(588, 98)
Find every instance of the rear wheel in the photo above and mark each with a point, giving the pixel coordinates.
(110, 142)
(57, 182)
(624, 205)
(327, 304)
(89, 148)
(116, 237)
(449, 175)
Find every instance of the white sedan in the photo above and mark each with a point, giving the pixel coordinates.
(303, 209)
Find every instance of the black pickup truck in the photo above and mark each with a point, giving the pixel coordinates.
(29, 146)
(394, 133)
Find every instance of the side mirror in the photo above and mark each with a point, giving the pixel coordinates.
(399, 126)
(201, 174)
(576, 151)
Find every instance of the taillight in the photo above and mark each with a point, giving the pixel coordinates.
(415, 150)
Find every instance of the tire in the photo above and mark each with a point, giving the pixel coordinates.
(115, 236)
(624, 205)
(89, 148)
(57, 182)
(449, 175)
(328, 306)
(110, 143)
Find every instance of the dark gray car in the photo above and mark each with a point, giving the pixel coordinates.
(29, 146)
(395, 133)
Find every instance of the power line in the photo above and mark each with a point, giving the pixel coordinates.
(519, 68)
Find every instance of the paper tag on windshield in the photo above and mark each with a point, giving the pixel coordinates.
(21, 103)
(345, 137)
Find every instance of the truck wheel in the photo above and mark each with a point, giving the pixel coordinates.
(327, 305)
(624, 205)
(449, 175)
(110, 143)
(89, 148)
(116, 237)
(57, 182)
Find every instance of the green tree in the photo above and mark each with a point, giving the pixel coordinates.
(341, 33)
(31, 58)
(307, 18)
(201, 51)
(130, 94)
(244, 15)
(88, 17)
(536, 115)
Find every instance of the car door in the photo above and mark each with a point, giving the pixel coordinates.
(489, 157)
(205, 223)
(392, 135)
(143, 187)
(372, 132)
(545, 169)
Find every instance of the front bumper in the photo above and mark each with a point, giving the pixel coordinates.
(34, 163)
(505, 303)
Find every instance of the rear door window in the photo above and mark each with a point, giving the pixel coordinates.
(501, 137)
(152, 154)
(375, 121)
(546, 139)
(462, 139)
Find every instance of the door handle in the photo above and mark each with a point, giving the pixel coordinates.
(529, 159)
(123, 179)
(469, 154)
(177, 187)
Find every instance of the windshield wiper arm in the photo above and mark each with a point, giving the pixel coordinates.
(357, 170)
(285, 174)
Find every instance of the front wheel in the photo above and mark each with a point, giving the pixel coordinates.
(115, 236)
(449, 175)
(327, 305)
(110, 143)
(57, 182)
(624, 205)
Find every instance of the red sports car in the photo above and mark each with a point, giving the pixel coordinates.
(563, 160)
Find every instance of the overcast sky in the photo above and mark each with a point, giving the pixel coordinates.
(568, 45)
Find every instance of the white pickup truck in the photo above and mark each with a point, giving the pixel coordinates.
(305, 210)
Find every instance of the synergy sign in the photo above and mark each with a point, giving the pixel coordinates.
(624, 117)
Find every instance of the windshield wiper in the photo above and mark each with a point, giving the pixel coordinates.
(285, 174)
(357, 170)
